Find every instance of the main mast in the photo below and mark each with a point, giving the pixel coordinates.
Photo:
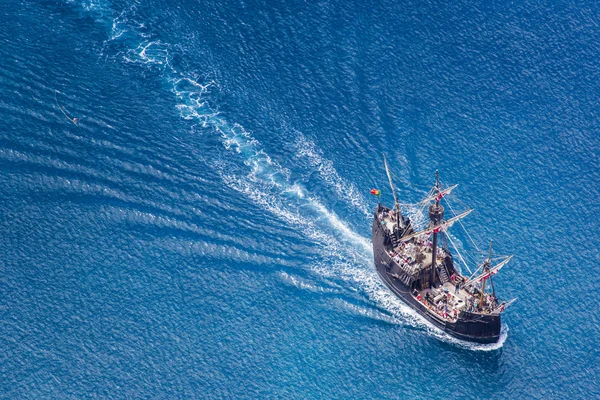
(486, 269)
(436, 214)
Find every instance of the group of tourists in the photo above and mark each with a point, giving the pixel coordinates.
(443, 305)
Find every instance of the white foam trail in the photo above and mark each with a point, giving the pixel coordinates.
(345, 254)
(367, 312)
(351, 263)
(348, 233)
(95, 6)
(304, 284)
(346, 190)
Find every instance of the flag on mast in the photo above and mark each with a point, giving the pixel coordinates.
(375, 192)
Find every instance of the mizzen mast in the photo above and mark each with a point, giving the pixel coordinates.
(486, 269)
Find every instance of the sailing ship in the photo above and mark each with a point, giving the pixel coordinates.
(419, 267)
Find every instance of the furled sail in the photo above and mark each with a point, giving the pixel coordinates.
(501, 307)
(441, 227)
(438, 196)
(488, 274)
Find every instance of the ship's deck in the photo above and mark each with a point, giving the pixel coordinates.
(412, 252)
(448, 309)
(417, 254)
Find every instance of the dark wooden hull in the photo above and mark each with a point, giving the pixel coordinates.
(470, 327)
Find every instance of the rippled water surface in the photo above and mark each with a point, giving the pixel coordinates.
(203, 231)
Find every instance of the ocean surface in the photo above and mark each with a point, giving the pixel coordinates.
(203, 231)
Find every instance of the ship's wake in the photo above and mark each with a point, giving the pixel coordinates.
(246, 167)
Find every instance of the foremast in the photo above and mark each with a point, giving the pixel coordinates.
(399, 219)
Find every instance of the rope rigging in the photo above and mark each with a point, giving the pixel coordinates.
(459, 255)
(461, 224)
(418, 215)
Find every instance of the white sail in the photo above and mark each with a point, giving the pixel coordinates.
(491, 272)
(441, 227)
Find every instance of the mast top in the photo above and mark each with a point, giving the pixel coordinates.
(436, 211)
(399, 218)
(389, 175)
(488, 262)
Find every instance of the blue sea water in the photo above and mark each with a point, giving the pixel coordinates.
(203, 232)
